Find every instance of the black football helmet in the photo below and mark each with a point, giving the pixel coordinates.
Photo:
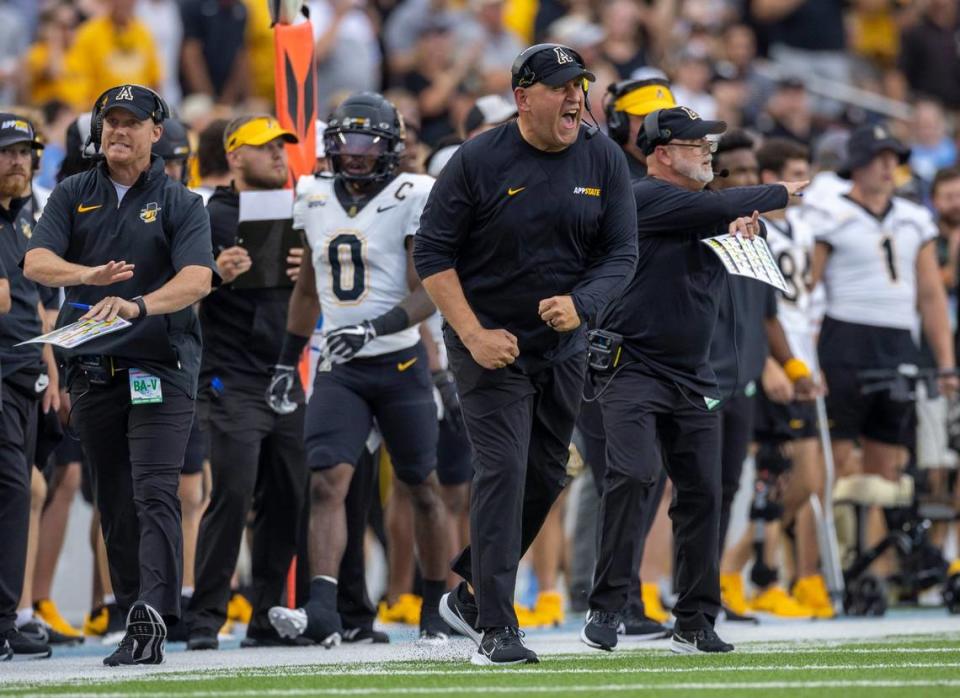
(367, 129)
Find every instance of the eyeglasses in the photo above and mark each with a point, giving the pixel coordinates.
(705, 146)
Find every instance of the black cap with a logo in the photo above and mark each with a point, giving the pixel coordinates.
(15, 129)
(675, 124)
(866, 143)
(140, 101)
(551, 64)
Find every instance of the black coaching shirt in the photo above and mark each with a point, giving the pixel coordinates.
(23, 320)
(244, 328)
(160, 227)
(520, 225)
(668, 313)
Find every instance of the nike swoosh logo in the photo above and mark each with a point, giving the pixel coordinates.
(514, 192)
(83, 209)
(381, 209)
(406, 364)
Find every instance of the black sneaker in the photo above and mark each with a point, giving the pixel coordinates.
(6, 651)
(458, 609)
(313, 621)
(703, 641)
(144, 640)
(270, 638)
(734, 617)
(23, 647)
(365, 636)
(600, 630)
(39, 631)
(433, 631)
(503, 647)
(638, 626)
(203, 642)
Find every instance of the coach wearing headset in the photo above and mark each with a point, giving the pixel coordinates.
(660, 396)
(129, 242)
(527, 233)
(625, 105)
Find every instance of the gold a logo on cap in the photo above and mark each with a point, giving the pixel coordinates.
(691, 113)
(562, 56)
(125, 93)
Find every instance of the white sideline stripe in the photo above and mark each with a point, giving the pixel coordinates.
(284, 672)
(617, 688)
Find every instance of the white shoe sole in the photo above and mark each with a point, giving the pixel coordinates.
(590, 643)
(480, 659)
(288, 622)
(145, 625)
(433, 641)
(456, 622)
(291, 623)
(683, 648)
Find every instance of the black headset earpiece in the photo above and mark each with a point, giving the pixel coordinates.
(651, 127)
(618, 123)
(160, 108)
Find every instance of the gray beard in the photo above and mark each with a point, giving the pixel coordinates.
(696, 173)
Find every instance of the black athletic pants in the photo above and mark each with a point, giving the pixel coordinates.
(736, 427)
(257, 464)
(644, 416)
(520, 427)
(135, 454)
(17, 441)
(590, 423)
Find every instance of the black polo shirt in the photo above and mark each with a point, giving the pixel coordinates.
(668, 312)
(243, 328)
(160, 227)
(520, 225)
(23, 321)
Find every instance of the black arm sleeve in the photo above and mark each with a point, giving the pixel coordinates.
(665, 210)
(614, 256)
(445, 220)
(52, 231)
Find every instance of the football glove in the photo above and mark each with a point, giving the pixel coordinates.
(282, 384)
(342, 343)
(452, 410)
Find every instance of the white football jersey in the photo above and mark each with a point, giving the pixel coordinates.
(791, 244)
(871, 273)
(360, 260)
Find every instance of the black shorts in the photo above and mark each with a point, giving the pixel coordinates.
(454, 459)
(198, 446)
(776, 423)
(845, 350)
(388, 388)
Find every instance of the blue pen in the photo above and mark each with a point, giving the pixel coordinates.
(79, 306)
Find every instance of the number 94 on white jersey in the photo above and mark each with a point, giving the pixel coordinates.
(360, 256)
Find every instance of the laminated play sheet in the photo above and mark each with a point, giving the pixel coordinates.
(750, 258)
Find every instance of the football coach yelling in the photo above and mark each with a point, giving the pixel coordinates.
(660, 389)
(529, 231)
(124, 240)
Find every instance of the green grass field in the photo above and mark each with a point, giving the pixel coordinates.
(909, 666)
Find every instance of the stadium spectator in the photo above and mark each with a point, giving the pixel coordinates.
(214, 59)
(14, 39)
(46, 72)
(484, 27)
(347, 53)
(929, 58)
(436, 78)
(166, 26)
(114, 49)
(621, 20)
(931, 148)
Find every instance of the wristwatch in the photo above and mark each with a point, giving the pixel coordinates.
(143, 307)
